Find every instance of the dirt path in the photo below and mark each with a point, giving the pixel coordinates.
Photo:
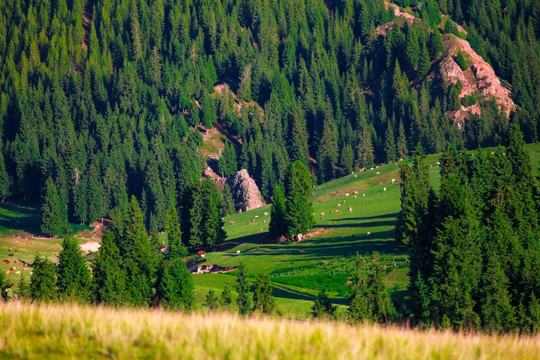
(87, 22)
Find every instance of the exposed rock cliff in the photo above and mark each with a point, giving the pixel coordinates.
(479, 78)
(245, 191)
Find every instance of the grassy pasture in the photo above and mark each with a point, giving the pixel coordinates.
(298, 270)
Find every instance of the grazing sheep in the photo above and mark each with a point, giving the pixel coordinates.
(343, 202)
(25, 269)
(322, 214)
(338, 204)
(261, 230)
(322, 218)
(13, 269)
(350, 209)
(232, 222)
(331, 211)
(378, 173)
(8, 272)
(18, 273)
(364, 195)
(256, 216)
(384, 189)
(354, 197)
(368, 233)
(265, 214)
(355, 192)
(355, 175)
(238, 252)
(264, 221)
(346, 194)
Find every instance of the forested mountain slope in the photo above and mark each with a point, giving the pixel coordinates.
(102, 99)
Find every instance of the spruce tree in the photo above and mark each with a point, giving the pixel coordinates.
(226, 299)
(23, 292)
(359, 309)
(278, 214)
(262, 295)
(174, 235)
(4, 286)
(298, 188)
(243, 301)
(175, 286)
(389, 144)
(378, 298)
(5, 182)
(212, 301)
(228, 163)
(322, 307)
(74, 280)
(43, 280)
(109, 276)
(53, 211)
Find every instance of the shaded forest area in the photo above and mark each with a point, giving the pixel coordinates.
(101, 100)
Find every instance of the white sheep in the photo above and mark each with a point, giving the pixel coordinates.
(238, 252)
(265, 214)
(346, 194)
(384, 189)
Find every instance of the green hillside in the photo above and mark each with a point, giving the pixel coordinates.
(298, 270)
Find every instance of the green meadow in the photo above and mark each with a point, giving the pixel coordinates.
(323, 260)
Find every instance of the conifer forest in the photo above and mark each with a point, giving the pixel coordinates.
(151, 118)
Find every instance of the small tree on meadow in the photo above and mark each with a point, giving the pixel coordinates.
(226, 299)
(43, 281)
(243, 302)
(212, 301)
(262, 294)
(322, 308)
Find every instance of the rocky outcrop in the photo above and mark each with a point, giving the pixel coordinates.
(245, 191)
(479, 78)
(400, 19)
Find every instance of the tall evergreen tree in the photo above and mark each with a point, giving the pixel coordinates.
(74, 281)
(322, 307)
(243, 301)
(43, 280)
(262, 295)
(109, 276)
(298, 188)
(278, 214)
(53, 211)
(175, 286)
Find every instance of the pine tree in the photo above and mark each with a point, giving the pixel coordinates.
(5, 182)
(262, 295)
(243, 301)
(359, 309)
(53, 211)
(74, 281)
(174, 235)
(228, 163)
(228, 202)
(347, 159)
(378, 298)
(5, 286)
(109, 277)
(364, 157)
(402, 151)
(322, 307)
(389, 144)
(23, 293)
(226, 299)
(298, 188)
(43, 280)
(212, 301)
(175, 286)
(424, 64)
(139, 258)
(278, 214)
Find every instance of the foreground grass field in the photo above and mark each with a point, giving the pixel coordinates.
(76, 332)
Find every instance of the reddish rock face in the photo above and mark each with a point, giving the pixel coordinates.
(479, 78)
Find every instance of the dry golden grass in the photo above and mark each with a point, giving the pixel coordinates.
(66, 331)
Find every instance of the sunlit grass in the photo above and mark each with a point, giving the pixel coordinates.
(64, 331)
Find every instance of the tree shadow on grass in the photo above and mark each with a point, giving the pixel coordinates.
(286, 293)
